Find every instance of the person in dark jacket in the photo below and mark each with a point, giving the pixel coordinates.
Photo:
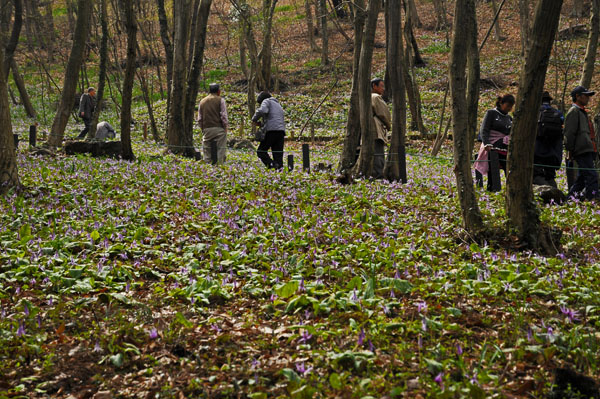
(495, 129)
(87, 105)
(548, 144)
(580, 144)
(272, 115)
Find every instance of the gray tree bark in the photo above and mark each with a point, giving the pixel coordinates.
(592, 46)
(84, 8)
(524, 16)
(20, 83)
(9, 173)
(324, 33)
(464, 24)
(520, 206)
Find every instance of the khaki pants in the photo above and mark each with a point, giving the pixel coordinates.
(219, 135)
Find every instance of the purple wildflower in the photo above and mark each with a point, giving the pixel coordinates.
(424, 324)
(305, 337)
(153, 334)
(371, 346)
(422, 307)
(21, 329)
(459, 350)
(26, 309)
(571, 314)
(440, 380)
(361, 337)
(97, 347)
(301, 369)
(216, 328)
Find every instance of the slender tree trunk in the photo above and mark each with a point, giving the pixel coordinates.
(310, 25)
(324, 32)
(193, 26)
(192, 85)
(464, 22)
(102, 68)
(166, 40)
(266, 53)
(50, 30)
(410, 38)
(84, 8)
(520, 206)
(20, 83)
(131, 29)
(243, 59)
(473, 76)
(353, 132)
(440, 14)
(9, 174)
(497, 28)
(395, 168)
(411, 12)
(13, 40)
(367, 124)
(176, 128)
(592, 46)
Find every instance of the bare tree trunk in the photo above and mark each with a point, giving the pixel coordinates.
(592, 46)
(131, 29)
(464, 23)
(166, 40)
(395, 168)
(524, 15)
(192, 84)
(324, 33)
(50, 30)
(310, 25)
(243, 60)
(9, 173)
(20, 83)
(266, 53)
(410, 39)
(520, 206)
(176, 128)
(411, 12)
(102, 68)
(497, 28)
(440, 14)
(84, 8)
(13, 41)
(353, 132)
(367, 124)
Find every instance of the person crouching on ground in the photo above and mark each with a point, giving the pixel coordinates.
(212, 118)
(383, 123)
(581, 145)
(548, 143)
(495, 129)
(272, 116)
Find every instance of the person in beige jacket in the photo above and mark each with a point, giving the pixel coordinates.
(383, 123)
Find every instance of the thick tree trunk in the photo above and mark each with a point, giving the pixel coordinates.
(592, 46)
(411, 12)
(440, 14)
(131, 29)
(520, 206)
(84, 8)
(101, 69)
(20, 83)
(367, 124)
(353, 132)
(524, 15)
(192, 84)
(9, 174)
(395, 168)
(464, 22)
(176, 127)
(266, 53)
(324, 32)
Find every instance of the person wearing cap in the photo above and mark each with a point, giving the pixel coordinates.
(383, 123)
(580, 144)
(87, 105)
(212, 119)
(548, 143)
(272, 115)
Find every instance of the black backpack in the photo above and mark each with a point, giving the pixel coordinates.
(550, 124)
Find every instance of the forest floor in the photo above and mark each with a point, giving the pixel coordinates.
(171, 278)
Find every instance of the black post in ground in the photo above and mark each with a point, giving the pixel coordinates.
(494, 172)
(32, 135)
(213, 152)
(290, 162)
(306, 157)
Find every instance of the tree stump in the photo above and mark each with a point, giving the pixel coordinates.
(111, 149)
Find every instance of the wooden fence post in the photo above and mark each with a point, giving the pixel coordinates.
(290, 162)
(32, 135)
(306, 157)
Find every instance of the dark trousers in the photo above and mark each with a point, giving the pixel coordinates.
(88, 124)
(587, 178)
(501, 161)
(273, 141)
(545, 175)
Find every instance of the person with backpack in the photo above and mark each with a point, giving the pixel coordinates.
(580, 143)
(272, 115)
(494, 134)
(548, 143)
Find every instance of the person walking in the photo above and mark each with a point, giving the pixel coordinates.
(494, 133)
(212, 119)
(548, 143)
(87, 105)
(383, 123)
(272, 115)
(580, 143)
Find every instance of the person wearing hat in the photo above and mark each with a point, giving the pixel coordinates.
(87, 105)
(548, 143)
(580, 144)
(212, 118)
(272, 115)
